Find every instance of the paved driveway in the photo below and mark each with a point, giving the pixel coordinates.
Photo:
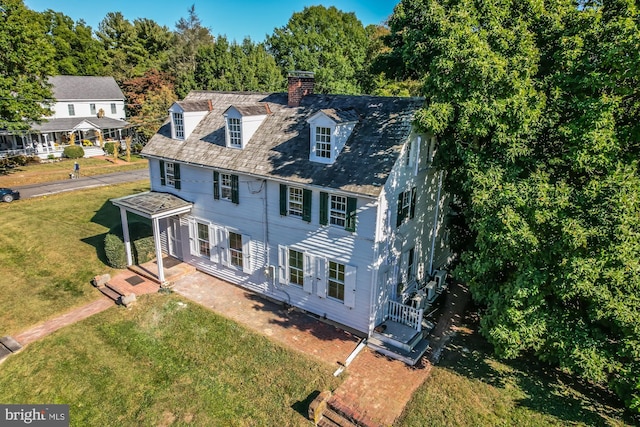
(47, 188)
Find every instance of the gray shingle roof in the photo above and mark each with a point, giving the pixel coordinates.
(68, 124)
(341, 116)
(188, 106)
(259, 109)
(280, 147)
(88, 88)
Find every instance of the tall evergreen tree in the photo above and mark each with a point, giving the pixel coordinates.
(26, 61)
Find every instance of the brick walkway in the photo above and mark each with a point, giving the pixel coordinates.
(66, 319)
(376, 390)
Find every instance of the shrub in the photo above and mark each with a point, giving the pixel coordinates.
(137, 148)
(73, 152)
(114, 250)
(110, 147)
(142, 246)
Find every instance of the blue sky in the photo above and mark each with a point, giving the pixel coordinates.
(236, 19)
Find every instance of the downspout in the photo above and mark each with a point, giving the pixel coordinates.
(435, 225)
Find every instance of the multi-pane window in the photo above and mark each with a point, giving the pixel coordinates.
(406, 206)
(178, 125)
(295, 201)
(296, 267)
(92, 108)
(169, 174)
(72, 110)
(336, 280)
(204, 247)
(225, 186)
(338, 210)
(323, 142)
(235, 249)
(113, 108)
(235, 133)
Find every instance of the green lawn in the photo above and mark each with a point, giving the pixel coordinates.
(470, 387)
(165, 361)
(59, 170)
(50, 248)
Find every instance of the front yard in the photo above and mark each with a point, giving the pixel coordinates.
(50, 248)
(165, 361)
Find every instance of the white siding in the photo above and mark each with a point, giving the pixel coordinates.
(83, 109)
(393, 241)
(257, 215)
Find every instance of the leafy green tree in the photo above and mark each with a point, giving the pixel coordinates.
(232, 66)
(327, 41)
(76, 51)
(26, 61)
(536, 109)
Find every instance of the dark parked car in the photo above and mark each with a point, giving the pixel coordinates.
(9, 195)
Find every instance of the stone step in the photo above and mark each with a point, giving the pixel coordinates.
(335, 419)
(409, 357)
(115, 296)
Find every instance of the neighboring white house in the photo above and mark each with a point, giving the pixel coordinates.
(325, 202)
(85, 109)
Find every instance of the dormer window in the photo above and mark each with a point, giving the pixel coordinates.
(242, 121)
(178, 125)
(185, 116)
(235, 132)
(329, 131)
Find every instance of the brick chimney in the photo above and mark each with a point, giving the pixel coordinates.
(301, 83)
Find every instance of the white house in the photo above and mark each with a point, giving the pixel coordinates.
(88, 107)
(325, 202)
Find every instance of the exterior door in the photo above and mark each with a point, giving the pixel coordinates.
(175, 238)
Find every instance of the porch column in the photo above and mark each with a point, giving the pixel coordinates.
(125, 235)
(156, 240)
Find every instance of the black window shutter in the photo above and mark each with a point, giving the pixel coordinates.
(163, 180)
(235, 194)
(400, 211)
(283, 199)
(306, 205)
(216, 185)
(352, 204)
(413, 202)
(324, 208)
(176, 175)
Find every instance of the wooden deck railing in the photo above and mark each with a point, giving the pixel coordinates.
(404, 314)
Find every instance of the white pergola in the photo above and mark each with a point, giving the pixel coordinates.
(155, 206)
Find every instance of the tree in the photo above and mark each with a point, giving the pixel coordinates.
(191, 35)
(76, 51)
(536, 109)
(231, 66)
(26, 60)
(329, 42)
(148, 99)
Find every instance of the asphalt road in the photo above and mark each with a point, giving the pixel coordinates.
(47, 188)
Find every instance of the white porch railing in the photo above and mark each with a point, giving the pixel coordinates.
(404, 314)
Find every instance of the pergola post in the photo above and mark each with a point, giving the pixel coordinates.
(156, 240)
(125, 235)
